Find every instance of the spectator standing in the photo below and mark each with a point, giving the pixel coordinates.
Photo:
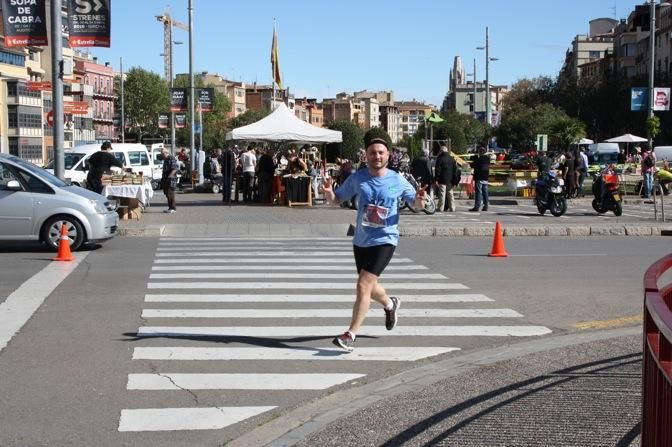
(169, 179)
(583, 169)
(421, 168)
(249, 162)
(227, 163)
(376, 234)
(481, 167)
(648, 168)
(447, 177)
(266, 173)
(568, 174)
(99, 163)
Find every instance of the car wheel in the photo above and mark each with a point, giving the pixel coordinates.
(51, 232)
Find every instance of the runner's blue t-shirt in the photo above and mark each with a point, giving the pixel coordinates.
(377, 205)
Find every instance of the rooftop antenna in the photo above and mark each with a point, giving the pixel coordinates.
(613, 8)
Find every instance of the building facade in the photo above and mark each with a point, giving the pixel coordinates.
(412, 115)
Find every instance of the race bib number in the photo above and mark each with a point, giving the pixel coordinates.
(375, 216)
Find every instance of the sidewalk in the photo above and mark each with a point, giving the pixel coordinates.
(205, 215)
(582, 389)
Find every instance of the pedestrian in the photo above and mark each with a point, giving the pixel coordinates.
(568, 168)
(481, 167)
(169, 179)
(227, 163)
(99, 163)
(376, 234)
(583, 170)
(249, 162)
(266, 173)
(648, 168)
(421, 168)
(447, 177)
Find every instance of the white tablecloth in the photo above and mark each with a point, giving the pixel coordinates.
(141, 192)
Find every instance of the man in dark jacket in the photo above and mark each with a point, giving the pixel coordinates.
(266, 172)
(421, 169)
(227, 163)
(447, 177)
(481, 167)
(99, 163)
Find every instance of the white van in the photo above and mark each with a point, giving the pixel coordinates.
(603, 153)
(132, 155)
(663, 153)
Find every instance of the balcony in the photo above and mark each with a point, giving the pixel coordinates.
(106, 92)
(102, 117)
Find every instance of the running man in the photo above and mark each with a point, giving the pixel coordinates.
(376, 234)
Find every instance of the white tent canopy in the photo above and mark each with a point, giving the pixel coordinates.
(282, 125)
(626, 138)
(584, 141)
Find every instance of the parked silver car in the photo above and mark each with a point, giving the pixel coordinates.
(34, 204)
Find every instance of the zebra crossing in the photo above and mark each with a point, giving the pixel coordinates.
(242, 323)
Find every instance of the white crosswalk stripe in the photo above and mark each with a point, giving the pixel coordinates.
(296, 284)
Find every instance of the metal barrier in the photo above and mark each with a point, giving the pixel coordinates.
(657, 187)
(656, 428)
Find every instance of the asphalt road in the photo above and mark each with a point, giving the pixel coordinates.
(68, 374)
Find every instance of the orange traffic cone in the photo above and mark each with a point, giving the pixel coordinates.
(64, 253)
(498, 250)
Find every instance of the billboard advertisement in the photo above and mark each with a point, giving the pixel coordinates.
(89, 23)
(206, 98)
(179, 100)
(638, 99)
(661, 99)
(25, 23)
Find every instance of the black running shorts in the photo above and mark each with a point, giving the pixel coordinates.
(373, 259)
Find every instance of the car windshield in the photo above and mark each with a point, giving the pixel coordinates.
(40, 173)
(70, 160)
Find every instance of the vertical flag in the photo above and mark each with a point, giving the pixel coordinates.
(275, 63)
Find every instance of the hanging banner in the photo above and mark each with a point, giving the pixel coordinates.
(76, 107)
(25, 23)
(661, 99)
(180, 120)
(89, 23)
(638, 99)
(206, 98)
(179, 99)
(164, 120)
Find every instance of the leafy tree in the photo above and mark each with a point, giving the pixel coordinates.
(461, 130)
(145, 96)
(353, 140)
(653, 126)
(248, 117)
(528, 93)
(521, 125)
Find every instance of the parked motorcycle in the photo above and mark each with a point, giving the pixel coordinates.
(550, 194)
(606, 192)
(430, 205)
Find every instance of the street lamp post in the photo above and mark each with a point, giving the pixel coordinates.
(652, 60)
(488, 59)
(172, 114)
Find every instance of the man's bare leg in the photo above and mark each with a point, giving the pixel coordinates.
(367, 288)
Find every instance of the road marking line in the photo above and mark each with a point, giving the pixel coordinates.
(280, 255)
(380, 354)
(328, 331)
(182, 260)
(297, 285)
(556, 255)
(324, 313)
(247, 381)
(307, 243)
(288, 247)
(171, 419)
(255, 239)
(262, 275)
(287, 298)
(264, 267)
(21, 304)
(604, 324)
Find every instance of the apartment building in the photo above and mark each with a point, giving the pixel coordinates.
(591, 47)
(390, 121)
(344, 107)
(94, 83)
(313, 111)
(412, 114)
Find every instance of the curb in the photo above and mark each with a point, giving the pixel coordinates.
(445, 231)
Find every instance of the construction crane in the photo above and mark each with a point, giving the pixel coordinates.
(168, 24)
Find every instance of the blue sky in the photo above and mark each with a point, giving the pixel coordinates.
(328, 47)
